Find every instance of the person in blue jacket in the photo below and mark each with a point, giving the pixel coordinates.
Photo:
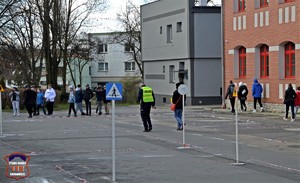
(78, 99)
(256, 93)
(40, 102)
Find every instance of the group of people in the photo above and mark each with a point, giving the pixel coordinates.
(36, 100)
(242, 93)
(291, 97)
(33, 100)
(78, 95)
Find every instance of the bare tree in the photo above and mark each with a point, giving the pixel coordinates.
(21, 44)
(61, 21)
(80, 56)
(130, 38)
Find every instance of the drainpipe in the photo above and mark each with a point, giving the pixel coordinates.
(222, 51)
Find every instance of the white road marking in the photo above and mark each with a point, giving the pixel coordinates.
(274, 165)
(157, 156)
(216, 138)
(293, 129)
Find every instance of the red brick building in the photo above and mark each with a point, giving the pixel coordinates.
(262, 40)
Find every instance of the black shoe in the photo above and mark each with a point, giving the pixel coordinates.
(100, 113)
(68, 115)
(82, 113)
(146, 131)
(75, 115)
(30, 116)
(150, 129)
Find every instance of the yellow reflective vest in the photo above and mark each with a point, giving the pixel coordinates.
(147, 94)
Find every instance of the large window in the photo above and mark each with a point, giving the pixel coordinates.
(264, 61)
(129, 66)
(102, 48)
(172, 74)
(129, 47)
(102, 66)
(264, 3)
(242, 5)
(242, 62)
(289, 53)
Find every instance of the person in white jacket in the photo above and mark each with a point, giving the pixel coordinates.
(15, 100)
(50, 96)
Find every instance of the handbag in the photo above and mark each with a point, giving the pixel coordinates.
(173, 106)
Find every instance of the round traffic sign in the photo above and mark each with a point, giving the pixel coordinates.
(183, 89)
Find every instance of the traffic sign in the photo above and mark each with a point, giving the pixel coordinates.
(183, 89)
(114, 91)
(1, 89)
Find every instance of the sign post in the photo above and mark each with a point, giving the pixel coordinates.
(113, 92)
(237, 163)
(1, 119)
(183, 90)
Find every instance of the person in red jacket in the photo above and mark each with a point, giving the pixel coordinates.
(297, 100)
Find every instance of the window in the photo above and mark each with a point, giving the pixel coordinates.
(242, 62)
(172, 74)
(179, 27)
(169, 34)
(129, 66)
(102, 66)
(264, 61)
(164, 69)
(242, 5)
(129, 47)
(264, 3)
(102, 48)
(289, 53)
(160, 30)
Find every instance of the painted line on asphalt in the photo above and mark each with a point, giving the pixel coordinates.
(292, 129)
(157, 156)
(274, 165)
(69, 173)
(216, 138)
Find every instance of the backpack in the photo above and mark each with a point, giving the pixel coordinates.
(231, 89)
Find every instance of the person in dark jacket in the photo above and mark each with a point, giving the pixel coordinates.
(87, 97)
(146, 99)
(29, 100)
(242, 95)
(177, 100)
(289, 100)
(229, 94)
(78, 99)
(99, 98)
(256, 93)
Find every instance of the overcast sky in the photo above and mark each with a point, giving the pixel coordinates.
(107, 22)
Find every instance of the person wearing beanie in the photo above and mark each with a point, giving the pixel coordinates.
(242, 95)
(71, 101)
(256, 93)
(289, 101)
(78, 99)
(15, 100)
(229, 94)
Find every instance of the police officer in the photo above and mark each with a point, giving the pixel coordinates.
(146, 99)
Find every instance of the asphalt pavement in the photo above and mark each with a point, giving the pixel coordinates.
(79, 149)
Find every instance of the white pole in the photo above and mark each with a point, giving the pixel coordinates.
(237, 136)
(113, 142)
(1, 114)
(183, 128)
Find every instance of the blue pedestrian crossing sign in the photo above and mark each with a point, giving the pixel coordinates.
(114, 91)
